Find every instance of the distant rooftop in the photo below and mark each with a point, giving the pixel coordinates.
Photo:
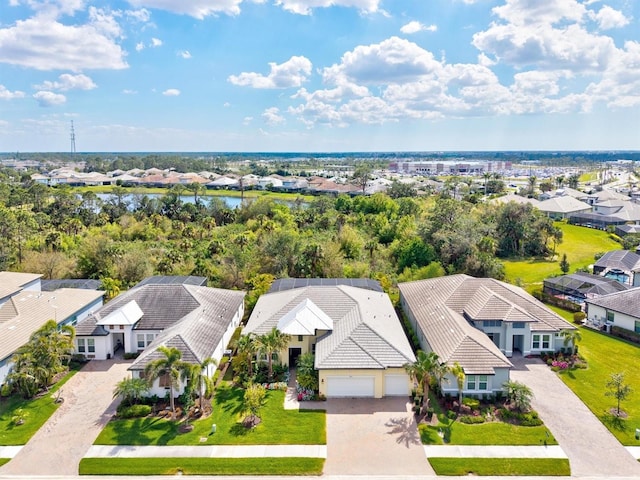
(82, 283)
(291, 283)
(174, 280)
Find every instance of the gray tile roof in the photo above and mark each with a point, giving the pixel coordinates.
(620, 259)
(627, 302)
(367, 333)
(198, 332)
(440, 306)
(12, 282)
(564, 204)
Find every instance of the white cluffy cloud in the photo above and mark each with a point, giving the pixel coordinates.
(6, 94)
(49, 99)
(155, 42)
(272, 116)
(415, 27)
(171, 92)
(43, 43)
(292, 73)
(67, 81)
(305, 7)
(185, 54)
(609, 18)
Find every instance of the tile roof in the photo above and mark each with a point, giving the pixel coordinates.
(627, 302)
(27, 311)
(13, 282)
(366, 330)
(565, 204)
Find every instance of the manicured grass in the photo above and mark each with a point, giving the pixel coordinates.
(3, 461)
(501, 466)
(579, 243)
(490, 433)
(37, 412)
(606, 355)
(588, 177)
(201, 466)
(278, 426)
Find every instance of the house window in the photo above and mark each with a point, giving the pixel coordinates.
(81, 345)
(518, 324)
(299, 338)
(491, 323)
(313, 348)
(541, 341)
(121, 327)
(637, 327)
(611, 316)
(140, 340)
(143, 340)
(164, 380)
(477, 382)
(91, 345)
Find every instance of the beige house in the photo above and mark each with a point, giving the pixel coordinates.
(359, 345)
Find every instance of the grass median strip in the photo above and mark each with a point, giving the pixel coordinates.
(201, 466)
(501, 466)
(4, 460)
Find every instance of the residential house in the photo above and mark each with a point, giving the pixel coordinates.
(621, 309)
(512, 197)
(562, 207)
(359, 345)
(479, 323)
(24, 308)
(579, 286)
(621, 265)
(173, 311)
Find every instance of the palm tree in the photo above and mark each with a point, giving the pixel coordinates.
(270, 343)
(172, 367)
(422, 371)
(572, 337)
(198, 375)
(458, 372)
(196, 188)
(247, 346)
(131, 389)
(519, 395)
(307, 374)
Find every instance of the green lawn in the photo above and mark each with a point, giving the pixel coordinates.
(579, 243)
(501, 466)
(606, 355)
(201, 466)
(37, 411)
(278, 426)
(3, 461)
(490, 433)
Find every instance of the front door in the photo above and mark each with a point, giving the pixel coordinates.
(294, 353)
(518, 343)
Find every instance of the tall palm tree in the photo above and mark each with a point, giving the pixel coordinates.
(131, 389)
(572, 337)
(172, 366)
(198, 374)
(422, 371)
(247, 345)
(458, 372)
(270, 343)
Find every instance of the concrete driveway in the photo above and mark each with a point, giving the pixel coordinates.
(373, 437)
(58, 447)
(591, 448)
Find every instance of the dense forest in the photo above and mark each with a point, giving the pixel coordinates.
(62, 233)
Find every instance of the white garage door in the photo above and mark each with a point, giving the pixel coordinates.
(345, 386)
(396, 385)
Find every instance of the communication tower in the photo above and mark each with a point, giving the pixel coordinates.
(73, 138)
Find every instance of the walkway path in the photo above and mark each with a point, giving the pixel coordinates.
(494, 451)
(60, 444)
(591, 448)
(208, 451)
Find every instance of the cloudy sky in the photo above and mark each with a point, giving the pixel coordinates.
(319, 75)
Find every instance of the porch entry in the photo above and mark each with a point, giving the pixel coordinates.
(118, 341)
(518, 343)
(294, 353)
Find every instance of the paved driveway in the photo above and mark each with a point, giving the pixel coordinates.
(591, 448)
(58, 447)
(373, 437)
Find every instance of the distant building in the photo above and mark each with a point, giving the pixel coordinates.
(578, 287)
(448, 167)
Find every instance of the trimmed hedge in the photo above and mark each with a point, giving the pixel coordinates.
(626, 334)
(133, 411)
(471, 419)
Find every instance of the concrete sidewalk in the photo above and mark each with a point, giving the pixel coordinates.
(10, 451)
(634, 451)
(494, 451)
(207, 451)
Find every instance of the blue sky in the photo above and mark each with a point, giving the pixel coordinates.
(319, 75)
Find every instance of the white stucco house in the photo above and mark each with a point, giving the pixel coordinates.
(479, 323)
(619, 309)
(349, 324)
(197, 320)
(24, 308)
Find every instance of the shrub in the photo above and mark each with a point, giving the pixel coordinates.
(134, 411)
(472, 419)
(472, 403)
(578, 317)
(130, 355)
(224, 360)
(6, 390)
(451, 415)
(530, 419)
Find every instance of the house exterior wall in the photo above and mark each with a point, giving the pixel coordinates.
(5, 368)
(377, 374)
(494, 384)
(598, 315)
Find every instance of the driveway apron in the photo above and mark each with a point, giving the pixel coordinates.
(591, 448)
(58, 447)
(373, 437)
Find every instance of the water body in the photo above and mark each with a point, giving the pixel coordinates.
(231, 202)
